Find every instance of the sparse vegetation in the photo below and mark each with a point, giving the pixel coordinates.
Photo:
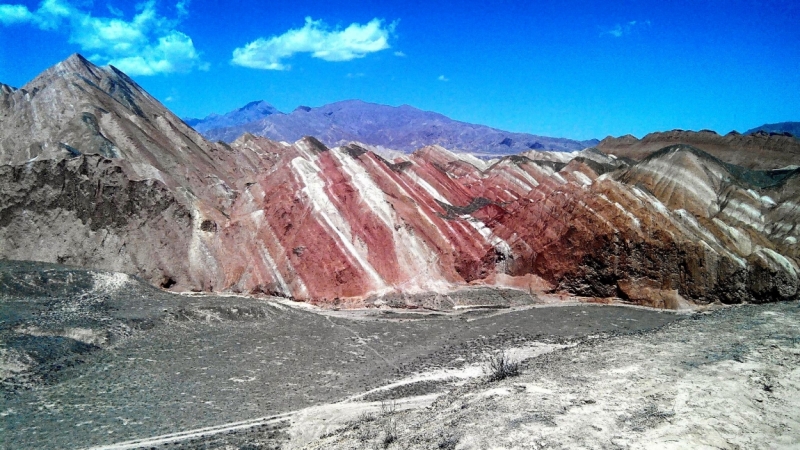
(365, 417)
(501, 366)
(388, 407)
(448, 440)
(389, 432)
(365, 434)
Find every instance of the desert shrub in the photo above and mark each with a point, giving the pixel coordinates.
(447, 441)
(500, 366)
(365, 434)
(388, 407)
(389, 433)
(365, 417)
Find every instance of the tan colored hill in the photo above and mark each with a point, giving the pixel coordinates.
(761, 150)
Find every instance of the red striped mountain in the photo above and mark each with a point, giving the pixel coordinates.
(401, 128)
(94, 172)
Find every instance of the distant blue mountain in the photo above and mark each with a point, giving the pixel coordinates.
(250, 112)
(402, 128)
(792, 128)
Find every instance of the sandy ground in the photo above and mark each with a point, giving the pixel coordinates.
(723, 380)
(93, 359)
(727, 379)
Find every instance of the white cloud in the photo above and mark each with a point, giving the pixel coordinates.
(400, 54)
(617, 31)
(443, 78)
(355, 41)
(11, 14)
(620, 30)
(114, 11)
(183, 7)
(148, 44)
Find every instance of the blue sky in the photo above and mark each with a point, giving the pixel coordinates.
(576, 69)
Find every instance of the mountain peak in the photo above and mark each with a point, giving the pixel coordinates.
(74, 64)
(77, 58)
(780, 128)
(256, 105)
(253, 111)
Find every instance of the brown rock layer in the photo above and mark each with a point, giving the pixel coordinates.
(762, 151)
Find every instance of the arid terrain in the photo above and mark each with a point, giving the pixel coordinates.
(97, 359)
(160, 290)
(727, 379)
(93, 358)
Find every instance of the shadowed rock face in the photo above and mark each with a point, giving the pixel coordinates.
(137, 190)
(89, 211)
(97, 172)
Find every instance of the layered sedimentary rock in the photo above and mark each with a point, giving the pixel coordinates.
(760, 150)
(137, 190)
(96, 172)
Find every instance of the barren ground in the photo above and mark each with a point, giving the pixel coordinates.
(101, 360)
(723, 380)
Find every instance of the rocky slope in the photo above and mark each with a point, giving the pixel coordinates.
(403, 128)
(110, 179)
(760, 150)
(97, 173)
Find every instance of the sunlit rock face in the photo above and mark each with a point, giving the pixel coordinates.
(136, 190)
(758, 150)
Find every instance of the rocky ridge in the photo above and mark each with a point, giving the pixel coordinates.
(109, 178)
(792, 128)
(759, 150)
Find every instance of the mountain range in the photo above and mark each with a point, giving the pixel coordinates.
(758, 150)
(96, 173)
(403, 128)
(792, 128)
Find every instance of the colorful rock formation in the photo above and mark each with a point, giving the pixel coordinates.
(95, 172)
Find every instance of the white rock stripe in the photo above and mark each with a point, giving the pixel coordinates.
(266, 258)
(427, 187)
(412, 194)
(414, 257)
(314, 190)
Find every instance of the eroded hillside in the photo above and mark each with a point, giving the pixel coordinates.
(95, 172)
